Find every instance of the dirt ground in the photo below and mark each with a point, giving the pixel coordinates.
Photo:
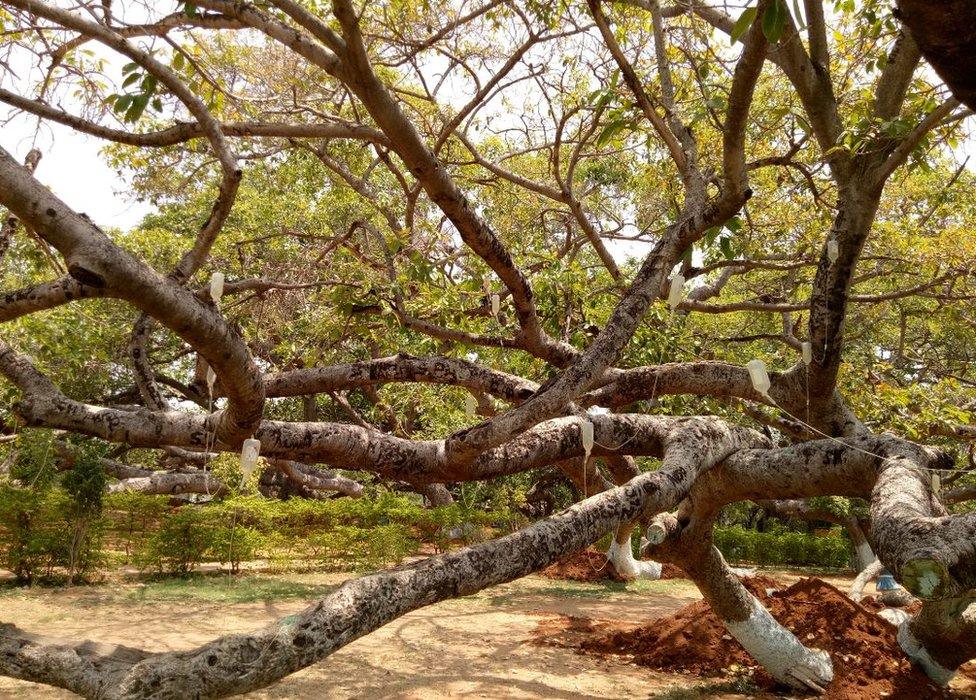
(480, 646)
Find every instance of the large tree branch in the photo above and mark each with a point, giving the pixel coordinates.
(187, 131)
(95, 261)
(238, 663)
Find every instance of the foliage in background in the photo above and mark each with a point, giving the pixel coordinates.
(50, 522)
(782, 547)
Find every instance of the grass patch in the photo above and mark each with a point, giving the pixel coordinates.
(739, 686)
(226, 589)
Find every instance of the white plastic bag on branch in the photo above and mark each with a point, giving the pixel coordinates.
(217, 287)
(250, 451)
(470, 405)
(833, 250)
(211, 379)
(806, 350)
(759, 377)
(676, 292)
(496, 304)
(586, 437)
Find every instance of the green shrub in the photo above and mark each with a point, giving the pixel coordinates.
(784, 547)
(85, 486)
(181, 543)
(51, 526)
(40, 537)
(234, 544)
(50, 523)
(346, 547)
(132, 517)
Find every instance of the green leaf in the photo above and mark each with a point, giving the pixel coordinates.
(613, 127)
(131, 79)
(190, 9)
(129, 67)
(178, 61)
(136, 108)
(122, 103)
(742, 24)
(774, 20)
(725, 244)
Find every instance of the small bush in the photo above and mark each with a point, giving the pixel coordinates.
(742, 545)
(181, 543)
(234, 544)
(346, 547)
(50, 523)
(132, 517)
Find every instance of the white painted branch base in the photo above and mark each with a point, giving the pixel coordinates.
(865, 555)
(780, 652)
(622, 558)
(920, 656)
(894, 615)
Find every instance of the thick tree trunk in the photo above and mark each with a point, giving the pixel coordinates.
(685, 539)
(941, 637)
(945, 31)
(767, 641)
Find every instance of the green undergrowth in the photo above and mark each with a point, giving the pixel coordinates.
(780, 547)
(242, 532)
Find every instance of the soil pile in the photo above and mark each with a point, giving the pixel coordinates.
(868, 663)
(669, 571)
(587, 565)
(591, 566)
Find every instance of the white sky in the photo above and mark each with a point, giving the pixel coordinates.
(74, 170)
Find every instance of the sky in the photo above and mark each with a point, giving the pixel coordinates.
(72, 167)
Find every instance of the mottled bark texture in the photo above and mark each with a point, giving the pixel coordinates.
(8, 227)
(302, 477)
(685, 539)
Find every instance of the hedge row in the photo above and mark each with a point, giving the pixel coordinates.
(783, 547)
(44, 534)
(39, 533)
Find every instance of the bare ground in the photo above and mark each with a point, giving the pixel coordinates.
(478, 646)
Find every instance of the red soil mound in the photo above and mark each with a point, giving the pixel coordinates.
(590, 565)
(868, 663)
(669, 571)
(587, 565)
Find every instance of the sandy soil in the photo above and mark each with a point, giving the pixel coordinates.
(474, 647)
